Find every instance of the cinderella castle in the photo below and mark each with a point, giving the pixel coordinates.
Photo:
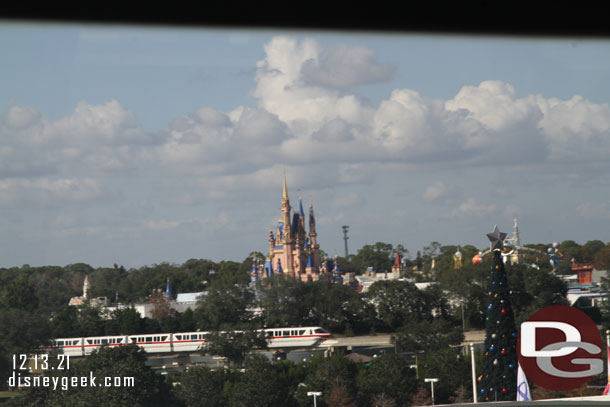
(293, 251)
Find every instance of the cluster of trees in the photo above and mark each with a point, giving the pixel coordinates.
(594, 251)
(278, 301)
(33, 305)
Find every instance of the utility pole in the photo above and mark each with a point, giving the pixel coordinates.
(345, 229)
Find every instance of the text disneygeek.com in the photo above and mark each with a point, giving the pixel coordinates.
(41, 363)
(63, 383)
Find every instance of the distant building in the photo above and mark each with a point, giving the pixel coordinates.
(397, 267)
(80, 300)
(182, 302)
(585, 285)
(370, 276)
(292, 250)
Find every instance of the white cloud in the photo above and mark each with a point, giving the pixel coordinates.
(94, 139)
(282, 90)
(470, 208)
(45, 191)
(334, 130)
(492, 103)
(577, 129)
(304, 123)
(95, 125)
(260, 127)
(435, 191)
(343, 67)
(18, 117)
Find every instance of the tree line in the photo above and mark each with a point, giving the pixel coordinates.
(387, 380)
(33, 303)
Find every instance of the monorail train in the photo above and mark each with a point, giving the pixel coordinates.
(187, 341)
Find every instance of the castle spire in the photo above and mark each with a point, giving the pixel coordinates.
(285, 194)
(86, 288)
(312, 220)
(301, 212)
(168, 291)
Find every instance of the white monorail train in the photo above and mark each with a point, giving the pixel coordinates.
(187, 341)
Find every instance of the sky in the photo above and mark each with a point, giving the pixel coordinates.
(139, 145)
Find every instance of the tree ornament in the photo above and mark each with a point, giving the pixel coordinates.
(489, 307)
(503, 311)
(495, 362)
(496, 295)
(503, 351)
(493, 336)
(492, 348)
(504, 390)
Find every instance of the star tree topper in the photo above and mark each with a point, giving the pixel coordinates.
(496, 238)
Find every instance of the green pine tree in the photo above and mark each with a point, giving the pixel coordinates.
(499, 376)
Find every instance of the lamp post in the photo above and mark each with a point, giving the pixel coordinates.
(431, 380)
(474, 374)
(314, 394)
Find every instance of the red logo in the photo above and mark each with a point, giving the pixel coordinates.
(560, 348)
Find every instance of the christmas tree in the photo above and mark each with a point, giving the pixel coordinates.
(499, 378)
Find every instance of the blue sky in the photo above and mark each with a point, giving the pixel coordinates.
(137, 145)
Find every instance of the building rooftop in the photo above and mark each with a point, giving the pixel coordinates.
(189, 297)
